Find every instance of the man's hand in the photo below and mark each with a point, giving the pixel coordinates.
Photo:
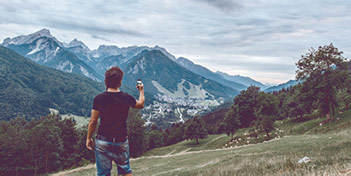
(89, 144)
(140, 87)
(91, 128)
(140, 103)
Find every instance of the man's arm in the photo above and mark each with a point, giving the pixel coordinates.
(140, 103)
(91, 128)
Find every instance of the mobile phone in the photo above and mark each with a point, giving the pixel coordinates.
(138, 83)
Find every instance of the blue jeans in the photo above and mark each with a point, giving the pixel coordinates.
(106, 151)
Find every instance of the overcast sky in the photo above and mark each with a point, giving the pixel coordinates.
(262, 39)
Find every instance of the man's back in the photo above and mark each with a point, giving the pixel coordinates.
(113, 108)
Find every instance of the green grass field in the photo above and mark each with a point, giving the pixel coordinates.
(328, 146)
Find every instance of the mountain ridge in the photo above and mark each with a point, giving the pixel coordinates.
(281, 86)
(162, 69)
(96, 61)
(247, 81)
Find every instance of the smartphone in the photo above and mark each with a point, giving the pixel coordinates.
(138, 83)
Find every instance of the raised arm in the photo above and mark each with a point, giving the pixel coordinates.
(140, 103)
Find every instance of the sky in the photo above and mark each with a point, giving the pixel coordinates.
(262, 39)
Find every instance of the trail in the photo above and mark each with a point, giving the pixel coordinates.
(180, 115)
(75, 170)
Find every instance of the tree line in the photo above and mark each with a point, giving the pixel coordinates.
(324, 89)
(50, 143)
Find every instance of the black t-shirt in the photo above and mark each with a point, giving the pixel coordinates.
(113, 108)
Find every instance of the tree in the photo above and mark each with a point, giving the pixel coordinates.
(70, 139)
(13, 147)
(231, 121)
(344, 97)
(176, 133)
(136, 133)
(245, 104)
(266, 112)
(155, 139)
(46, 143)
(300, 101)
(323, 69)
(84, 153)
(196, 130)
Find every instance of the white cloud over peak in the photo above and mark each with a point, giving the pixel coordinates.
(260, 38)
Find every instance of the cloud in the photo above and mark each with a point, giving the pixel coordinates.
(221, 34)
(101, 38)
(224, 5)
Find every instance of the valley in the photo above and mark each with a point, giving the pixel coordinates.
(172, 84)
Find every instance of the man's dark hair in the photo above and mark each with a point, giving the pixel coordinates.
(113, 77)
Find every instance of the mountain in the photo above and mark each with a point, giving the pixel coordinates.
(180, 94)
(281, 86)
(46, 50)
(203, 71)
(242, 80)
(28, 89)
(77, 43)
(160, 74)
(27, 39)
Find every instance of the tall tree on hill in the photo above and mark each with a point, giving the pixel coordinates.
(136, 133)
(196, 130)
(176, 133)
(245, 104)
(266, 112)
(300, 101)
(231, 121)
(324, 70)
(70, 137)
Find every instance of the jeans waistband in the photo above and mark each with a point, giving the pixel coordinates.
(109, 139)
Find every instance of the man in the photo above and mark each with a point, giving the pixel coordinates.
(111, 140)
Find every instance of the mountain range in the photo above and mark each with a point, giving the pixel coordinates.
(167, 79)
(76, 57)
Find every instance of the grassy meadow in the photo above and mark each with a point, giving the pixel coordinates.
(327, 145)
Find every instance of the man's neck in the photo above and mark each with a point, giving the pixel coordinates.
(113, 90)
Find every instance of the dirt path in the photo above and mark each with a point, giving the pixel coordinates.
(74, 170)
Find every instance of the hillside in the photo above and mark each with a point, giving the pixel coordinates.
(28, 89)
(247, 81)
(205, 72)
(161, 74)
(328, 146)
(279, 87)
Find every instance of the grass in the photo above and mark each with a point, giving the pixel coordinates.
(328, 147)
(80, 120)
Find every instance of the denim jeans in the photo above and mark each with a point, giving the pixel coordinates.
(106, 152)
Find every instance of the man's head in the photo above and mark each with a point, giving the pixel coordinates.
(113, 77)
